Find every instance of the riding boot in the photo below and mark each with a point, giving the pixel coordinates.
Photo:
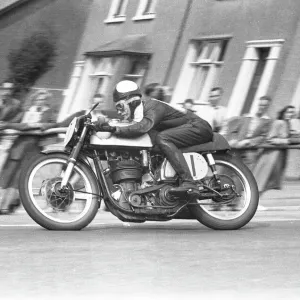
(178, 162)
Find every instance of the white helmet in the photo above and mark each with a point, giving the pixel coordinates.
(125, 89)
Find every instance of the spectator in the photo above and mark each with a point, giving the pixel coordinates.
(23, 148)
(214, 114)
(40, 110)
(168, 92)
(189, 104)
(10, 107)
(10, 111)
(154, 90)
(295, 124)
(270, 168)
(247, 132)
(217, 112)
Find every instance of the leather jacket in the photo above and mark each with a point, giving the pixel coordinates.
(160, 116)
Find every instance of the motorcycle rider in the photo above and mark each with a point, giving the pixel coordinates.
(169, 128)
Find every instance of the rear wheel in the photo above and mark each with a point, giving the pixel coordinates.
(55, 209)
(238, 208)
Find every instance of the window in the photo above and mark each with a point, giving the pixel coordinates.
(255, 75)
(105, 68)
(261, 56)
(137, 68)
(103, 71)
(117, 11)
(146, 10)
(201, 70)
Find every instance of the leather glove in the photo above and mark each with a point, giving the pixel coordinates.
(104, 127)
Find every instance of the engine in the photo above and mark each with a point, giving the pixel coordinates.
(136, 178)
(125, 172)
(129, 173)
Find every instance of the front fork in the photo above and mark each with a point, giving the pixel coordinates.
(73, 158)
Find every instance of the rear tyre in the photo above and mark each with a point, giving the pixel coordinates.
(39, 185)
(226, 218)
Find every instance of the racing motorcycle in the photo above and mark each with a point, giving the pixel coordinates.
(63, 189)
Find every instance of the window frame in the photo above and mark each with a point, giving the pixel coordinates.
(140, 76)
(247, 71)
(139, 16)
(115, 5)
(104, 68)
(203, 59)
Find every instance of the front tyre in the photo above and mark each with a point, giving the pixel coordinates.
(237, 212)
(46, 204)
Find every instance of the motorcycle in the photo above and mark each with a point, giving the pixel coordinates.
(63, 189)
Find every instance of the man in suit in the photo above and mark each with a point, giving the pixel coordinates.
(247, 132)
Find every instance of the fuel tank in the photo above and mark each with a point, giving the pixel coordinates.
(107, 139)
(143, 142)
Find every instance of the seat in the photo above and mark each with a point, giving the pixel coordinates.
(218, 143)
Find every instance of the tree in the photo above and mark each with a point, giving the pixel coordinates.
(32, 59)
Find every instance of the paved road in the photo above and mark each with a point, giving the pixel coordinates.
(172, 260)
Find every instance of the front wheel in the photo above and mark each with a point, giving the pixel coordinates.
(240, 207)
(49, 206)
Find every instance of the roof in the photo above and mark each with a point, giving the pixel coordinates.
(6, 5)
(137, 44)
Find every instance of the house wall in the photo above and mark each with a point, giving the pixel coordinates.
(162, 31)
(245, 20)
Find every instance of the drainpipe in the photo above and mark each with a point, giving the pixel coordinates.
(178, 40)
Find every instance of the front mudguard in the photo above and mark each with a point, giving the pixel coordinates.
(63, 150)
(55, 148)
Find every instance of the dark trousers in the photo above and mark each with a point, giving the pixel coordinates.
(22, 150)
(171, 140)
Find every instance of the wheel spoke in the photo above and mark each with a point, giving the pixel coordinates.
(56, 205)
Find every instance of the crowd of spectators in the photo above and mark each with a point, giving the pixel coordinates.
(260, 141)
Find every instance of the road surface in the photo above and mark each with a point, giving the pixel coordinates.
(171, 260)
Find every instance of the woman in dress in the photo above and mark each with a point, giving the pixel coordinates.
(270, 168)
